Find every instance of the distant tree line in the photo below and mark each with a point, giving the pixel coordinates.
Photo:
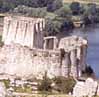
(59, 18)
(6, 5)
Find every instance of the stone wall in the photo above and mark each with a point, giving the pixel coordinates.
(28, 62)
(73, 53)
(24, 62)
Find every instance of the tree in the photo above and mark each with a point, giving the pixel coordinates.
(54, 5)
(29, 11)
(52, 26)
(75, 8)
(1, 3)
(58, 25)
(92, 8)
(90, 13)
(7, 5)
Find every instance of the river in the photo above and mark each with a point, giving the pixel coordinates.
(92, 34)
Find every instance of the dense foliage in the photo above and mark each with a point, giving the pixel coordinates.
(76, 8)
(58, 25)
(59, 17)
(45, 84)
(29, 11)
(61, 84)
(65, 85)
(6, 5)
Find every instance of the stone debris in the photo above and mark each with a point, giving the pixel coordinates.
(91, 87)
(87, 88)
(78, 89)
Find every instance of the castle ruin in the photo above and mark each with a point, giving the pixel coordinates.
(27, 52)
(23, 30)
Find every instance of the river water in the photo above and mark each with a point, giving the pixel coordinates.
(92, 34)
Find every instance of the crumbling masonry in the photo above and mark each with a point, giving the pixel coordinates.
(34, 54)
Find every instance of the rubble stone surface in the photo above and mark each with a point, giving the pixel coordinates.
(87, 88)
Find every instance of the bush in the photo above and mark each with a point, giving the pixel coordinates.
(45, 84)
(90, 13)
(65, 85)
(58, 25)
(7, 5)
(54, 5)
(29, 11)
(53, 26)
(75, 8)
(63, 12)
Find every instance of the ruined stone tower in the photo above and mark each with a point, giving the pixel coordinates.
(24, 30)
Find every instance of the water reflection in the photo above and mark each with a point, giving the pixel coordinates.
(92, 34)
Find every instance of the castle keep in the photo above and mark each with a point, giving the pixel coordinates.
(29, 53)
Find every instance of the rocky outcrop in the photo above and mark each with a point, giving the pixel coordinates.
(87, 88)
